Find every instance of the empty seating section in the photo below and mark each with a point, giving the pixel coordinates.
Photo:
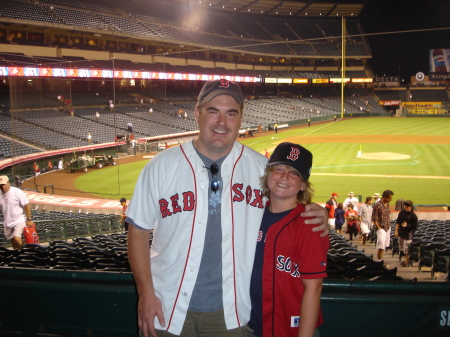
(58, 225)
(431, 247)
(112, 123)
(52, 129)
(101, 252)
(388, 95)
(429, 95)
(249, 29)
(347, 262)
(165, 114)
(327, 49)
(252, 34)
(25, 11)
(278, 30)
(39, 132)
(303, 49)
(10, 148)
(82, 19)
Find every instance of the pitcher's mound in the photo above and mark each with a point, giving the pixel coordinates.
(384, 156)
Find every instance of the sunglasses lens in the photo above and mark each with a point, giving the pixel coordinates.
(214, 185)
(214, 169)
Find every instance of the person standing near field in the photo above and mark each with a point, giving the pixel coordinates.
(381, 218)
(16, 212)
(330, 206)
(204, 201)
(406, 225)
(365, 218)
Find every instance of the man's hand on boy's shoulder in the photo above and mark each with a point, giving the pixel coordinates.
(319, 216)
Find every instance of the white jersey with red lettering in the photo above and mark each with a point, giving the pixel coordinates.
(171, 197)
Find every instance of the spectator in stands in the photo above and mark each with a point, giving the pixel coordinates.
(339, 217)
(365, 219)
(36, 169)
(351, 199)
(351, 215)
(97, 116)
(406, 225)
(330, 206)
(183, 185)
(381, 219)
(295, 289)
(16, 212)
(89, 137)
(150, 111)
(130, 127)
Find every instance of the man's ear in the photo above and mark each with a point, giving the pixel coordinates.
(196, 113)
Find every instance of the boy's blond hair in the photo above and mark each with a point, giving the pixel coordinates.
(303, 197)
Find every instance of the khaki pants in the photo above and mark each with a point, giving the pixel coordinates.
(204, 324)
(316, 333)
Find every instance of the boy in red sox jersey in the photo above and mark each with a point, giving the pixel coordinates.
(290, 260)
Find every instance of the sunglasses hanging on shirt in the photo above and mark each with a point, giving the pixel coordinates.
(214, 169)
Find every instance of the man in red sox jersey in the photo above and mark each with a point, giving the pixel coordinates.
(204, 201)
(290, 260)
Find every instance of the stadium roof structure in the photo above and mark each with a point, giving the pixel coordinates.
(348, 8)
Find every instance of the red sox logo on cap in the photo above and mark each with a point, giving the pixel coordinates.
(224, 83)
(294, 153)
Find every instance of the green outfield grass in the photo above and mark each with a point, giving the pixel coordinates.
(330, 158)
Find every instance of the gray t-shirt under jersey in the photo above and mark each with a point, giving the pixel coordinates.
(207, 294)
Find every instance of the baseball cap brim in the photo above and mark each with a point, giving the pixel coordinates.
(287, 164)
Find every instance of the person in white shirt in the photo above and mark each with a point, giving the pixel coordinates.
(16, 212)
(376, 197)
(365, 219)
(351, 199)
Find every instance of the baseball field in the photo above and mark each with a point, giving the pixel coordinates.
(410, 156)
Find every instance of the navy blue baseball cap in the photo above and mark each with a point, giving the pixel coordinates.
(214, 88)
(293, 155)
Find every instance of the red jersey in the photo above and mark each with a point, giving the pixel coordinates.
(349, 213)
(292, 251)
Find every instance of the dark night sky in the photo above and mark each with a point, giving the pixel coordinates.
(405, 54)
